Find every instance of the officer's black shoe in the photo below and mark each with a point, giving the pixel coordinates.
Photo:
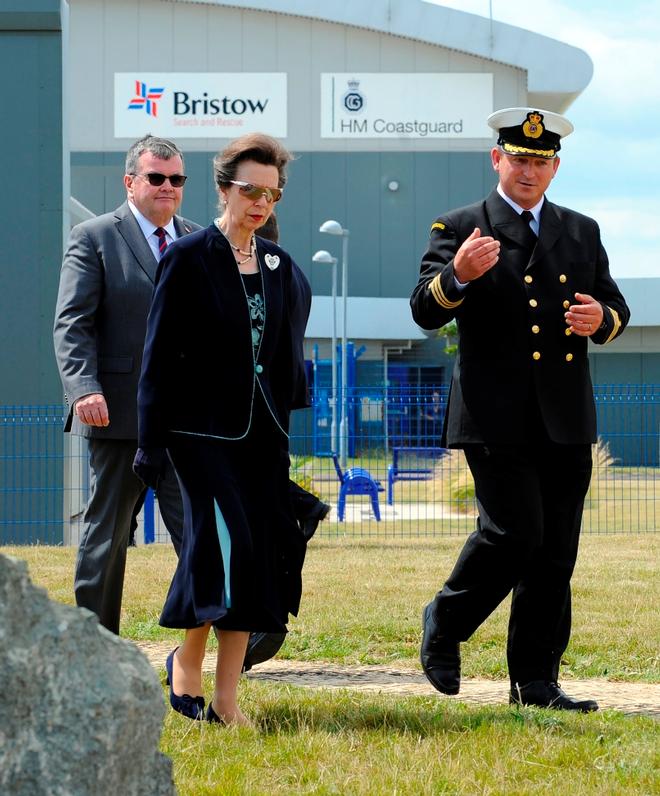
(440, 656)
(548, 694)
(311, 522)
(262, 647)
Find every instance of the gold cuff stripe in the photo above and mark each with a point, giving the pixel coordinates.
(439, 295)
(438, 225)
(512, 149)
(617, 324)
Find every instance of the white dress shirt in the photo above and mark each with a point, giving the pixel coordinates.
(149, 231)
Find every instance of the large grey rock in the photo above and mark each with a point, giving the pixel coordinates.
(81, 710)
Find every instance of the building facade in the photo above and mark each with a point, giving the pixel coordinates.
(383, 103)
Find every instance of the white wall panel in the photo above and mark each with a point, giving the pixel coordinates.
(87, 76)
(109, 36)
(224, 41)
(189, 48)
(295, 56)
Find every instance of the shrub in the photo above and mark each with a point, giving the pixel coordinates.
(452, 482)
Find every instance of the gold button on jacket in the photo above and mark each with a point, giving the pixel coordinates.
(496, 314)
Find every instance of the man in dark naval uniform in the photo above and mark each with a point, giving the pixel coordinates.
(528, 283)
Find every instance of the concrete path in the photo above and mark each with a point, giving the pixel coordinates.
(629, 698)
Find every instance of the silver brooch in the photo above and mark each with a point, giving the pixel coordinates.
(272, 261)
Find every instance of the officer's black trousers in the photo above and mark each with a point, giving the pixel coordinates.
(530, 500)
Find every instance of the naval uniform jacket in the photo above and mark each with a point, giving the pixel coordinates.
(200, 374)
(514, 347)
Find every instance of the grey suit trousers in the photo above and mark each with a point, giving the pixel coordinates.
(115, 490)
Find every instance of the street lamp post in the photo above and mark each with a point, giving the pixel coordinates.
(335, 228)
(326, 258)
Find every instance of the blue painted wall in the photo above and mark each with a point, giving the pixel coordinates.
(31, 139)
(31, 253)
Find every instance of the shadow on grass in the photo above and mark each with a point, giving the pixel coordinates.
(290, 712)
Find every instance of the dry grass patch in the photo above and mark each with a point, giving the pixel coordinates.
(362, 604)
(363, 600)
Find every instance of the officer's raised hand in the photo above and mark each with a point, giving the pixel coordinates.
(476, 255)
(585, 317)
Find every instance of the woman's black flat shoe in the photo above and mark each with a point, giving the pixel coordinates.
(212, 716)
(188, 706)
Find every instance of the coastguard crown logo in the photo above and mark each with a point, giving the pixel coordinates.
(533, 126)
(145, 98)
(353, 100)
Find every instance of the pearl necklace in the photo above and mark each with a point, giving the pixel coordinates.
(249, 255)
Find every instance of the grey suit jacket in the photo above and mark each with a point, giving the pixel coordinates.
(104, 296)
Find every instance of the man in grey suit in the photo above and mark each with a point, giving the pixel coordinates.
(100, 322)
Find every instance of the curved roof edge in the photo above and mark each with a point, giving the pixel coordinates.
(557, 72)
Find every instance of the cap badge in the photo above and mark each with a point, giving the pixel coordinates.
(533, 126)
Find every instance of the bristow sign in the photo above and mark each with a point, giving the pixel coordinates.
(200, 105)
(410, 105)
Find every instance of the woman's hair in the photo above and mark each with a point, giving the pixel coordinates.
(258, 147)
(270, 230)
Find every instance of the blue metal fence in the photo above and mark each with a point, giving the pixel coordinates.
(44, 478)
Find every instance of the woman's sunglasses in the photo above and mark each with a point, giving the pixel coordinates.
(156, 179)
(255, 192)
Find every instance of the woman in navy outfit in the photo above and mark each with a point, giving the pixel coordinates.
(223, 367)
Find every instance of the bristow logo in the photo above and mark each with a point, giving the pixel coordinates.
(145, 98)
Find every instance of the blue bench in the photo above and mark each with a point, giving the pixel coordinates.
(356, 481)
(411, 464)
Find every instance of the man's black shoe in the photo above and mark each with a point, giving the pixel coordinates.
(440, 656)
(262, 647)
(548, 694)
(311, 523)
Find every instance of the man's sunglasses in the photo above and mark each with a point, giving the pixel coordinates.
(255, 192)
(156, 179)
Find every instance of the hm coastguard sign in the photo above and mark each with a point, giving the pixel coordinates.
(415, 105)
(200, 105)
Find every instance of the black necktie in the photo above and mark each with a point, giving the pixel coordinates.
(527, 216)
(159, 232)
(530, 236)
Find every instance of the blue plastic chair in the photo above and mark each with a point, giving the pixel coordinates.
(356, 481)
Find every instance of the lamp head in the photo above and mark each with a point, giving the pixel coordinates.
(324, 257)
(332, 228)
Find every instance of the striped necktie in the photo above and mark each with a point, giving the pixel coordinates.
(159, 232)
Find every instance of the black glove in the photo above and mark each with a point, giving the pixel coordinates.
(149, 465)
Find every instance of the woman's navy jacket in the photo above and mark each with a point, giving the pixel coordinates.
(200, 373)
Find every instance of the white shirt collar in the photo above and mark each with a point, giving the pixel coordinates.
(535, 211)
(148, 227)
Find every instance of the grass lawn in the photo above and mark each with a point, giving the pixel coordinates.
(362, 604)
